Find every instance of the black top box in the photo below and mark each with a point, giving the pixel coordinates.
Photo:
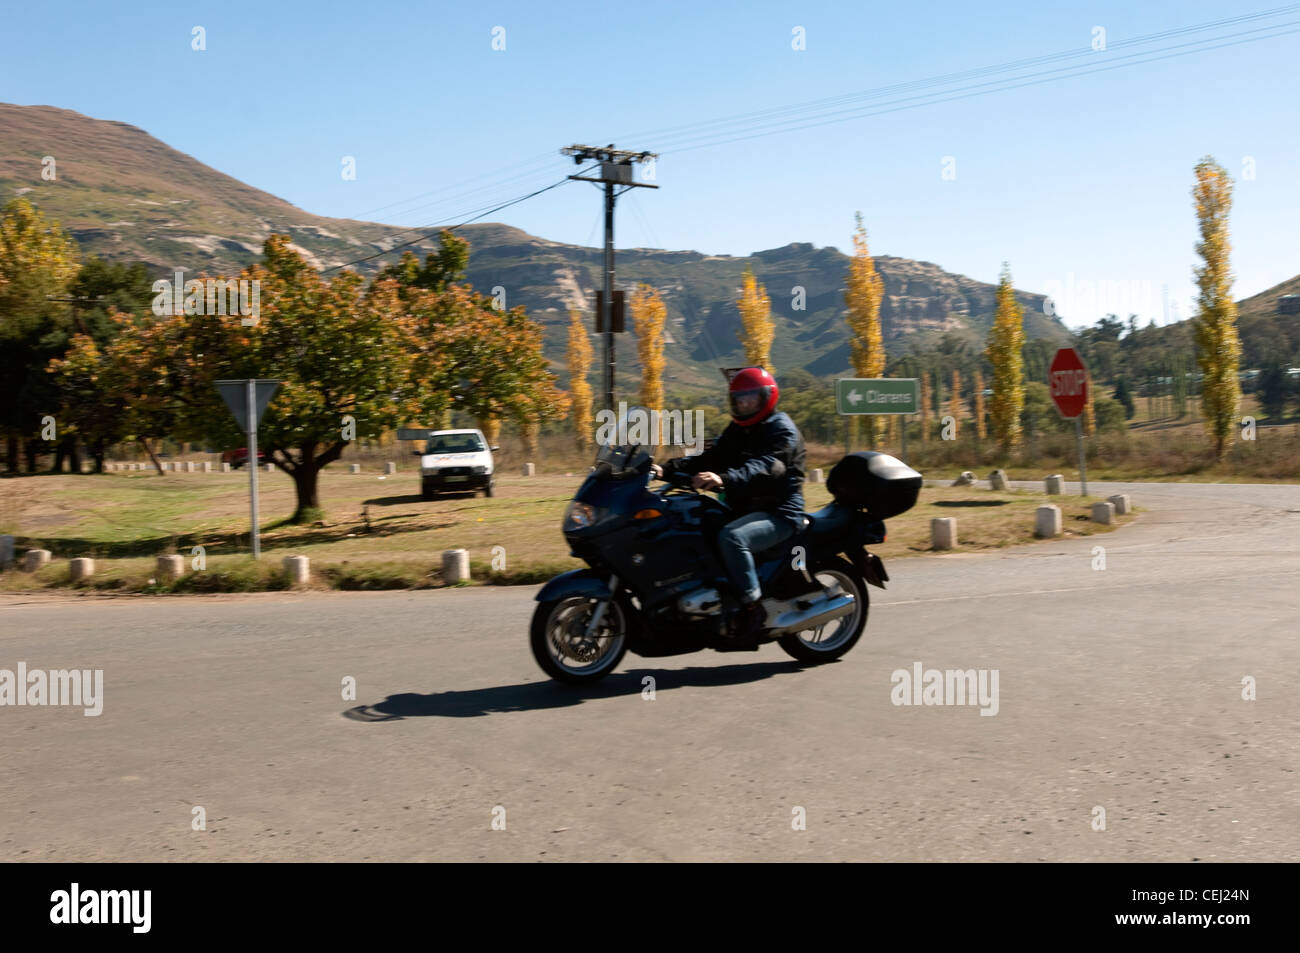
(882, 485)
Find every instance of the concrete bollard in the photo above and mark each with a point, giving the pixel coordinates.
(998, 480)
(82, 568)
(354, 468)
(1123, 503)
(6, 551)
(207, 466)
(34, 559)
(226, 468)
(298, 569)
(943, 532)
(189, 466)
(455, 566)
(390, 468)
(966, 479)
(1047, 521)
(270, 468)
(1054, 485)
(169, 568)
(530, 470)
(816, 476)
(1103, 513)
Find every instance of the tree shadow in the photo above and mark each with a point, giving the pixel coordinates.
(969, 502)
(218, 543)
(539, 696)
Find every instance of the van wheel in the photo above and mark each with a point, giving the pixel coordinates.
(487, 490)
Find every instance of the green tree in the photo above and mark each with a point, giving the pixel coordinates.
(1274, 389)
(1125, 398)
(38, 260)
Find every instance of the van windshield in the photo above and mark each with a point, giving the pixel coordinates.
(454, 443)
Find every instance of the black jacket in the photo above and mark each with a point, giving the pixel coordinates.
(761, 467)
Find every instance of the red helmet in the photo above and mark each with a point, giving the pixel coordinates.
(753, 396)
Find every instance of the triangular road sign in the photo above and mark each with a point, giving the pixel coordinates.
(235, 394)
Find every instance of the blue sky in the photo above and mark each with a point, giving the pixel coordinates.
(1080, 183)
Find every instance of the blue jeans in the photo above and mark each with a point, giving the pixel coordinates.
(743, 537)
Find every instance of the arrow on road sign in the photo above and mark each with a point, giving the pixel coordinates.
(853, 397)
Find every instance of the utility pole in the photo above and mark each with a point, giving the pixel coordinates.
(615, 169)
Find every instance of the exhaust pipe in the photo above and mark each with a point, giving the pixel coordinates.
(825, 609)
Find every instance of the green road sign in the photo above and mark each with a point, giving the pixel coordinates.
(880, 395)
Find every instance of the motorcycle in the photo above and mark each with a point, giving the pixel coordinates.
(654, 575)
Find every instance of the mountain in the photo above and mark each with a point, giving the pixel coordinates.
(126, 196)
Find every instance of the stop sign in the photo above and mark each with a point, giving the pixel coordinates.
(1067, 379)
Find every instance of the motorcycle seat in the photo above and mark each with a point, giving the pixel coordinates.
(831, 519)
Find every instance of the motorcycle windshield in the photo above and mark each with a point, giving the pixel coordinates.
(622, 458)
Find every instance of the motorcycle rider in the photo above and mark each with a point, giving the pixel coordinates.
(759, 461)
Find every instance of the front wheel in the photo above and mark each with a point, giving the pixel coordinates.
(487, 490)
(559, 641)
(832, 639)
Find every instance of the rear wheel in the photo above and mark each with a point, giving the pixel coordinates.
(832, 639)
(561, 646)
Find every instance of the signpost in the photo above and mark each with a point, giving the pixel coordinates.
(247, 400)
(877, 395)
(1067, 380)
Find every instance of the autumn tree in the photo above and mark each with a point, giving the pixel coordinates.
(648, 316)
(38, 259)
(757, 327)
(485, 362)
(341, 354)
(579, 360)
(863, 296)
(1089, 410)
(980, 430)
(1218, 346)
(1004, 352)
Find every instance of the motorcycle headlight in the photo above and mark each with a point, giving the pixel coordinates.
(581, 515)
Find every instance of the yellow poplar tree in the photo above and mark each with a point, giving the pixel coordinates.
(648, 316)
(1089, 412)
(865, 291)
(756, 319)
(980, 430)
(1004, 351)
(579, 356)
(1217, 344)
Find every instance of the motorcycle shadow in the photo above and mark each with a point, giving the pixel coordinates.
(538, 696)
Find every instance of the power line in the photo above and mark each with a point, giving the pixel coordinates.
(770, 117)
(977, 90)
(448, 228)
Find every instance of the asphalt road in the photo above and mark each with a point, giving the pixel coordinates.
(1119, 688)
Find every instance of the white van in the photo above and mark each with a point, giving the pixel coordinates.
(455, 461)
